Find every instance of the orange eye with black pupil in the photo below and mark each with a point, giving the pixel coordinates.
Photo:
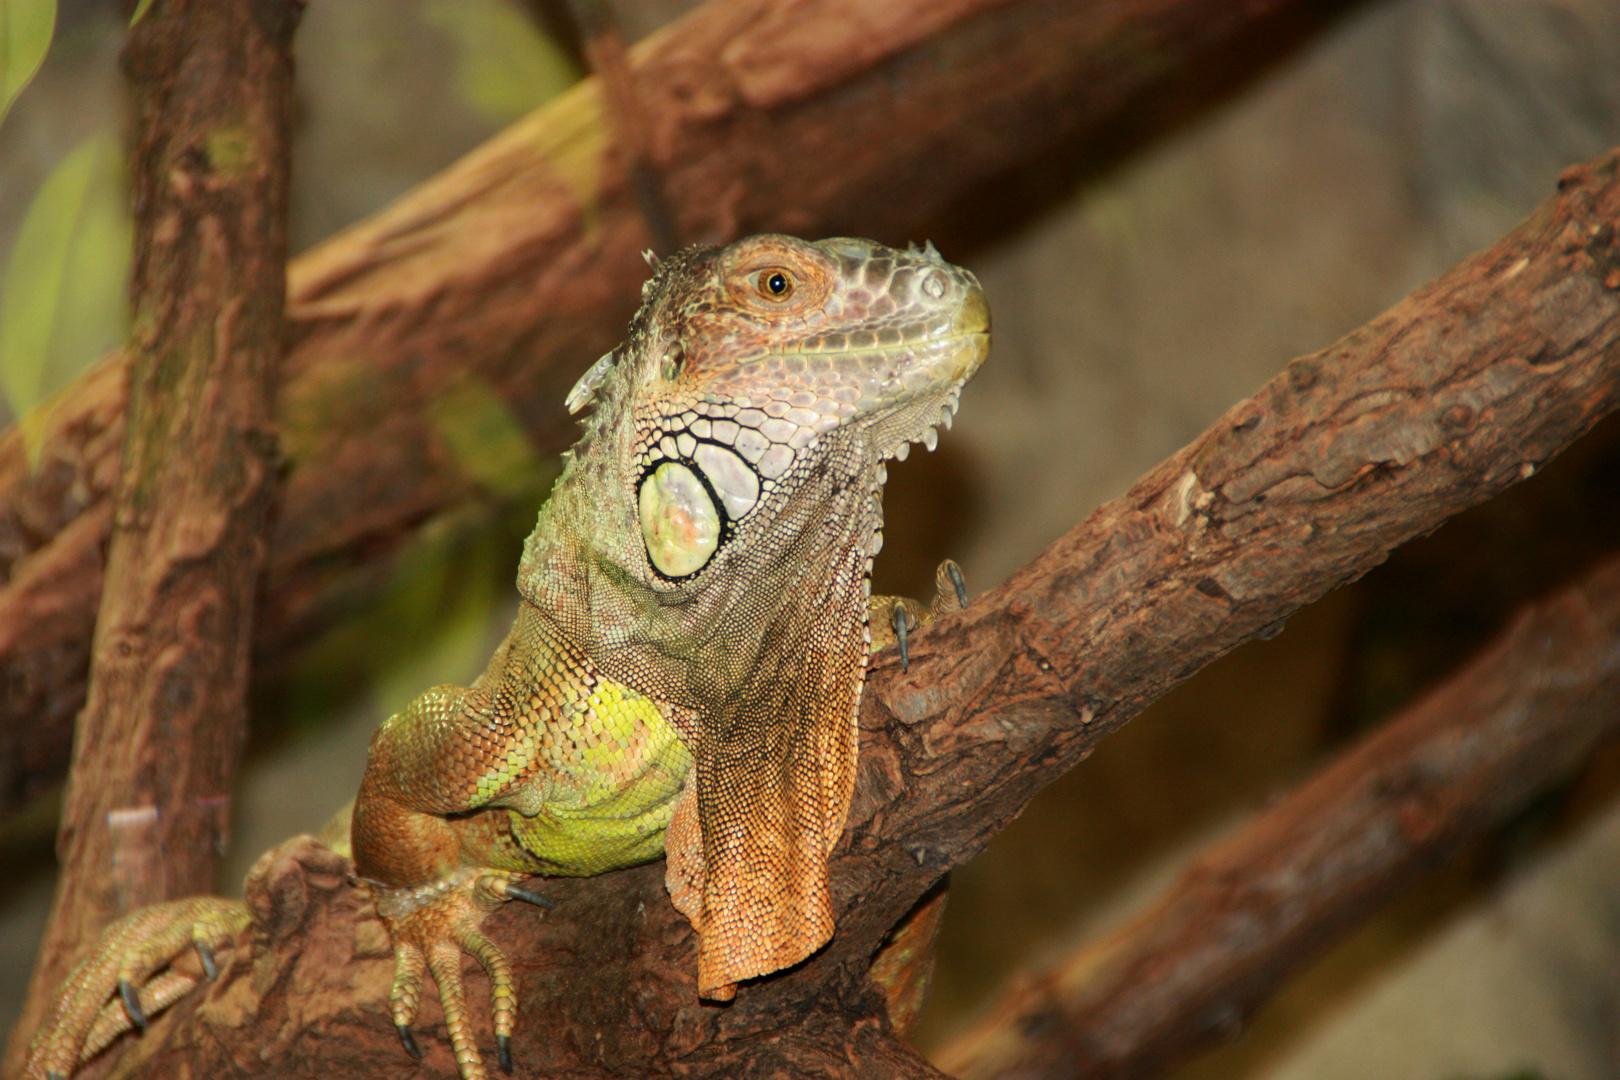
(774, 284)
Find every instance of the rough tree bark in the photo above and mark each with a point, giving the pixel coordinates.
(1457, 392)
(1190, 971)
(518, 266)
(156, 746)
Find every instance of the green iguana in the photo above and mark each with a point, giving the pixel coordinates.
(685, 669)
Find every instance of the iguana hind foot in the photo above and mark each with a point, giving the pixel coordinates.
(142, 964)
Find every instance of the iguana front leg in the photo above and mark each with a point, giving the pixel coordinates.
(541, 767)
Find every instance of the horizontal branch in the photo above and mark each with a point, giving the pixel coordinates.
(518, 266)
(1192, 969)
(1463, 388)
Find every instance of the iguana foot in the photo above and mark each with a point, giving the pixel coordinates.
(431, 926)
(893, 618)
(142, 964)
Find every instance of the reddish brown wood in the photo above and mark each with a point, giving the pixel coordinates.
(1521, 716)
(1460, 390)
(157, 743)
(519, 266)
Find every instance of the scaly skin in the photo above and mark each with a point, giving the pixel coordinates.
(684, 672)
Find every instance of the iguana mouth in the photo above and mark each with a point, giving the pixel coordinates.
(969, 342)
(915, 403)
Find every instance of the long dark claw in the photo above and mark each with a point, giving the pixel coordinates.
(210, 965)
(956, 579)
(408, 1041)
(529, 897)
(503, 1047)
(898, 620)
(132, 1004)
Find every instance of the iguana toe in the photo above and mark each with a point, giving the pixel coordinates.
(408, 1041)
(894, 618)
(528, 896)
(431, 928)
(161, 991)
(141, 964)
(949, 584)
(405, 995)
(132, 1004)
(903, 620)
(205, 953)
(890, 616)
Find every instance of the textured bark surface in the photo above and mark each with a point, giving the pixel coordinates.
(1518, 718)
(156, 746)
(1460, 390)
(518, 266)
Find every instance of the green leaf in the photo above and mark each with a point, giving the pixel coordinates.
(26, 27)
(65, 300)
(140, 9)
(505, 66)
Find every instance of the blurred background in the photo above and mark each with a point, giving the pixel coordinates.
(1242, 213)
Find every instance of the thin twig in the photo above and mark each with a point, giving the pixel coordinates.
(609, 58)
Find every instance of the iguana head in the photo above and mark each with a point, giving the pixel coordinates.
(710, 542)
(743, 359)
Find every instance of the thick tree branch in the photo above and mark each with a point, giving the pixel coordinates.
(519, 265)
(156, 746)
(1460, 390)
(1514, 721)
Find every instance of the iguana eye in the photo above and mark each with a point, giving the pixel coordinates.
(774, 284)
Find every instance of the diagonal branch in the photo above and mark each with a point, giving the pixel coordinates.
(1462, 389)
(1518, 718)
(520, 264)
